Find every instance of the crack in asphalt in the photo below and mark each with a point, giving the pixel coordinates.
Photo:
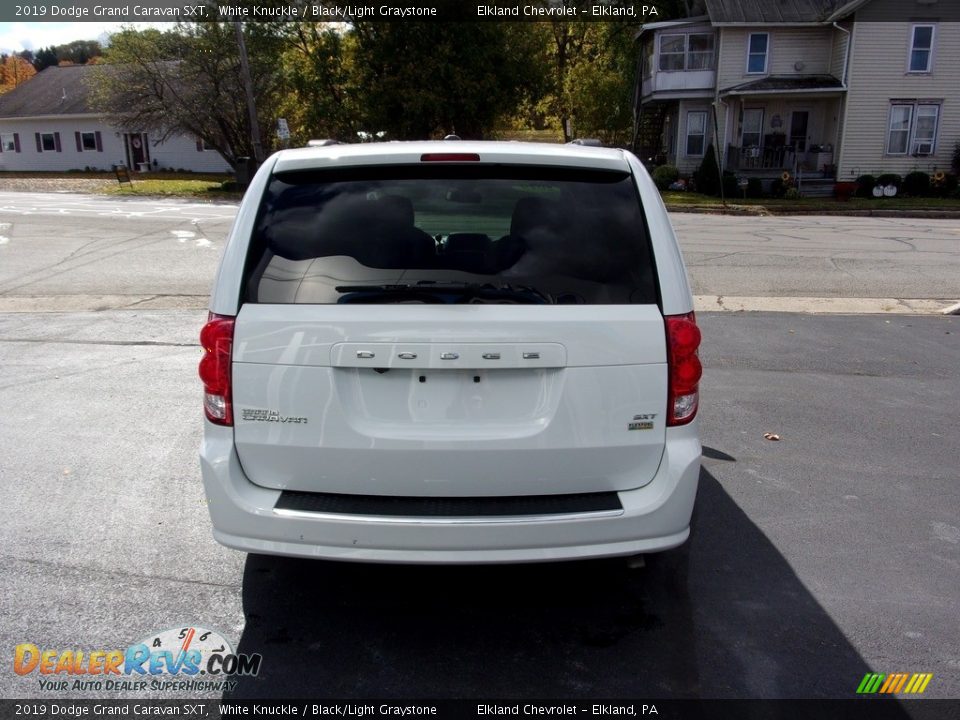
(115, 573)
(836, 266)
(52, 375)
(60, 263)
(125, 343)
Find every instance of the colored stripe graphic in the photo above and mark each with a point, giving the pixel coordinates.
(890, 683)
(918, 683)
(870, 683)
(894, 683)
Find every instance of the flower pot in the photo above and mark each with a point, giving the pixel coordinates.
(843, 191)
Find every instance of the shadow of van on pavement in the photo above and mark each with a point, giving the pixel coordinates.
(722, 616)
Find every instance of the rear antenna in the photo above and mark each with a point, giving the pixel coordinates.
(452, 137)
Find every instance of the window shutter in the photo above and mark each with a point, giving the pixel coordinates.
(16, 142)
(199, 145)
(56, 141)
(39, 143)
(76, 136)
(99, 142)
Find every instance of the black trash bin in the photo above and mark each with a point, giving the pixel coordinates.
(246, 168)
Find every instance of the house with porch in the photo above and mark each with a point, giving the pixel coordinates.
(823, 89)
(49, 123)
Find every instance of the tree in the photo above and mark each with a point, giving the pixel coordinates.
(599, 86)
(78, 52)
(14, 70)
(421, 80)
(187, 81)
(44, 58)
(321, 98)
(567, 41)
(593, 65)
(707, 176)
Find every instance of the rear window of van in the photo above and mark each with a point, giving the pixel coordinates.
(448, 234)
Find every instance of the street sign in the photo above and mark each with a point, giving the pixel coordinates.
(283, 130)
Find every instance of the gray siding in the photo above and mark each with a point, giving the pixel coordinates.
(878, 74)
(838, 49)
(686, 164)
(812, 47)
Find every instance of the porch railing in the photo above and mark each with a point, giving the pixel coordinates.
(760, 158)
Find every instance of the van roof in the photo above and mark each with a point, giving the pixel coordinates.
(409, 153)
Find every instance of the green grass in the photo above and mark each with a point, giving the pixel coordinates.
(689, 199)
(174, 187)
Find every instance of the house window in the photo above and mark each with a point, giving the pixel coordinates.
(88, 140)
(912, 129)
(672, 52)
(8, 142)
(686, 52)
(696, 132)
(757, 52)
(752, 129)
(921, 48)
(700, 52)
(48, 142)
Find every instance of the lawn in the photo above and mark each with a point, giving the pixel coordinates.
(192, 187)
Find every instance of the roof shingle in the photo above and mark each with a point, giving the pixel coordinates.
(54, 91)
(786, 83)
(770, 11)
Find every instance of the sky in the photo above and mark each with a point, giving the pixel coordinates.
(16, 36)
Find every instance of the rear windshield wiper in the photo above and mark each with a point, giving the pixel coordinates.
(430, 291)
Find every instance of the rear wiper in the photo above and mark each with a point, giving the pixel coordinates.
(406, 287)
(465, 291)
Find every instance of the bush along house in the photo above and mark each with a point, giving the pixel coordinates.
(814, 92)
(48, 124)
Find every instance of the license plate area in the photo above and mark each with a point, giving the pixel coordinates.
(448, 398)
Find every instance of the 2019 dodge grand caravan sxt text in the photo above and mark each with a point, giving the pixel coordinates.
(461, 352)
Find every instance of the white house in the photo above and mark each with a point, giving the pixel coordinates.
(48, 123)
(831, 88)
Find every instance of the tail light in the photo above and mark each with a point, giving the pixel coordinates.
(216, 338)
(683, 368)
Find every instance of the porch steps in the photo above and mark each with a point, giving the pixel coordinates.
(817, 187)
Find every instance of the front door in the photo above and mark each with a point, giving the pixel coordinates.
(798, 130)
(138, 153)
(751, 133)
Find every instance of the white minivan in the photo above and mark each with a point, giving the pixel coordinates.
(451, 352)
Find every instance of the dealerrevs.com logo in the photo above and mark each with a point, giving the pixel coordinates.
(186, 658)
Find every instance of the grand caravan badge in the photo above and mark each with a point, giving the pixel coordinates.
(642, 422)
(257, 415)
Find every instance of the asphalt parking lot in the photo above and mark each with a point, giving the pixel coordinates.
(813, 559)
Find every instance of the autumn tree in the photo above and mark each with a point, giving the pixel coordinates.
(14, 70)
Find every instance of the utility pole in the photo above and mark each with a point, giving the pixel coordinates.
(248, 88)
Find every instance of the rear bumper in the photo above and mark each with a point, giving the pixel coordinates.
(654, 517)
